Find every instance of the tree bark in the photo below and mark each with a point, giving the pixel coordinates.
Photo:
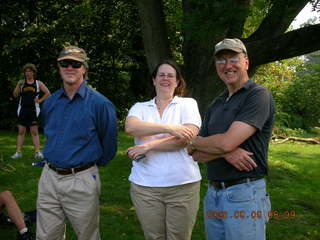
(287, 45)
(154, 31)
(206, 22)
(280, 16)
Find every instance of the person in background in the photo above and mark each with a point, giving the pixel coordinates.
(234, 141)
(80, 126)
(28, 111)
(165, 181)
(8, 202)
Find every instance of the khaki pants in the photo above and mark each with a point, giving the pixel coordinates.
(73, 196)
(166, 213)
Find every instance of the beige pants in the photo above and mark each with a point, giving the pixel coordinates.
(166, 213)
(73, 196)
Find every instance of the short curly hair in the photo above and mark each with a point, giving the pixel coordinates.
(30, 66)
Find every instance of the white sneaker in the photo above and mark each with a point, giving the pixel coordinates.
(16, 155)
(38, 155)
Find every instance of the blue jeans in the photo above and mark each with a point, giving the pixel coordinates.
(239, 212)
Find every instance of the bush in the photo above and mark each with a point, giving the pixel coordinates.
(295, 86)
(302, 99)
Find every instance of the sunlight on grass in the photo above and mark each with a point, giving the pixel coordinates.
(283, 164)
(293, 184)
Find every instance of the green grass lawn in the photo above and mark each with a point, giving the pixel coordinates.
(293, 184)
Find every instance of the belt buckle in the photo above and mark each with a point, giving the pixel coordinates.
(60, 171)
(63, 171)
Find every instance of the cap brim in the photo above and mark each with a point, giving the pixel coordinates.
(71, 58)
(237, 50)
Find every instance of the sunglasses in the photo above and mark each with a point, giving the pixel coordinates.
(66, 63)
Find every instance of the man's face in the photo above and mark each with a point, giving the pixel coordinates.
(232, 67)
(71, 73)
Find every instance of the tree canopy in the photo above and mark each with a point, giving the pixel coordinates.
(206, 22)
(125, 39)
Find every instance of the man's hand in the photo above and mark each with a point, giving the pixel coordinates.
(240, 159)
(190, 147)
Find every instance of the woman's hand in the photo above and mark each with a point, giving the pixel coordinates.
(20, 83)
(136, 152)
(181, 131)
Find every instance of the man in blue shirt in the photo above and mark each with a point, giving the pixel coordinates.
(81, 131)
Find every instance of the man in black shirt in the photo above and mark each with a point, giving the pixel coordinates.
(234, 142)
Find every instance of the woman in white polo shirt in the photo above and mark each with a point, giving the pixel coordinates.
(165, 181)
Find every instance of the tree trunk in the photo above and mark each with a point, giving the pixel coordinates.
(206, 22)
(154, 31)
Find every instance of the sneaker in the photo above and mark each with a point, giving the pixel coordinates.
(38, 155)
(26, 236)
(16, 155)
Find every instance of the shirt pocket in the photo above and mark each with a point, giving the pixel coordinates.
(81, 130)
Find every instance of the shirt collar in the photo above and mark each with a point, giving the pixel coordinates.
(246, 86)
(81, 91)
(152, 102)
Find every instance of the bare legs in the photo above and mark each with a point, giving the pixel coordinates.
(8, 202)
(20, 138)
(34, 135)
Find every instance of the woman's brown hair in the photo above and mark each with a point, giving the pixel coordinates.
(181, 89)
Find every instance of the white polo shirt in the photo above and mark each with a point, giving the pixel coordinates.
(171, 168)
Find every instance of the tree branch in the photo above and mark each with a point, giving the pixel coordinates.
(275, 139)
(237, 18)
(281, 15)
(294, 43)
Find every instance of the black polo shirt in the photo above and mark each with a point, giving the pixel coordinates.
(252, 104)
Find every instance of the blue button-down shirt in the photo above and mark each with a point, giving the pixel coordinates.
(80, 130)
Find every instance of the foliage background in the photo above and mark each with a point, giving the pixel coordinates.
(295, 85)
(110, 32)
(36, 31)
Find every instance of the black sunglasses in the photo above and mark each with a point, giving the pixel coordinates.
(66, 63)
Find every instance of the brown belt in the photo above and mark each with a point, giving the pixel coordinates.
(66, 171)
(220, 184)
